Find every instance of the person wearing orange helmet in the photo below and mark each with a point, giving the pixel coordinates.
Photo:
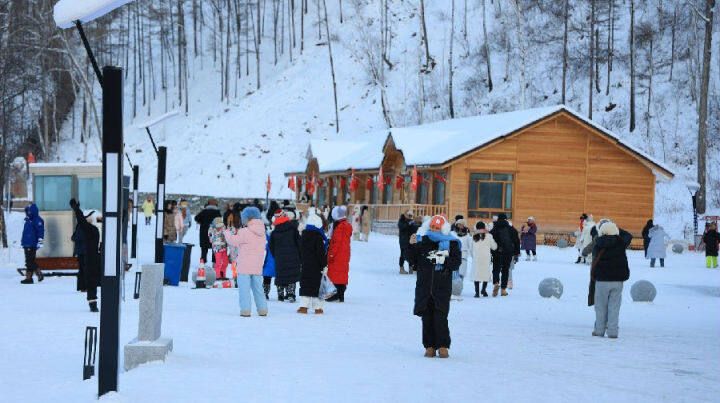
(436, 254)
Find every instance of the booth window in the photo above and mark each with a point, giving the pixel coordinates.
(490, 194)
(52, 193)
(90, 193)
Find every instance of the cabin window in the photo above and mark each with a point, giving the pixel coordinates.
(90, 193)
(423, 187)
(490, 194)
(439, 182)
(387, 191)
(52, 193)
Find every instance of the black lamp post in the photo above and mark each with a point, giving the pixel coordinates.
(693, 188)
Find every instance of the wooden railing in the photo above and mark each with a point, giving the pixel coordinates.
(391, 212)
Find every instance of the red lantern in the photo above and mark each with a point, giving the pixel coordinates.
(369, 183)
(399, 182)
(310, 187)
(354, 182)
(291, 183)
(381, 179)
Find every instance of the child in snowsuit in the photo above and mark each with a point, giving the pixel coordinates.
(313, 249)
(32, 240)
(219, 246)
(285, 248)
(711, 238)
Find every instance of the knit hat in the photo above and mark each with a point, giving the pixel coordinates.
(583, 216)
(459, 217)
(480, 225)
(314, 220)
(218, 222)
(531, 218)
(502, 216)
(250, 213)
(437, 222)
(461, 221)
(339, 212)
(607, 227)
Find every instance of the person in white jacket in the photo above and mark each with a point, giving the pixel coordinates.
(463, 234)
(482, 244)
(586, 235)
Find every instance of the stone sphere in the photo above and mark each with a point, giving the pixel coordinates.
(562, 243)
(550, 287)
(678, 248)
(643, 291)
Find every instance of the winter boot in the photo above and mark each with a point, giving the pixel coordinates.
(341, 292)
(281, 294)
(496, 288)
(443, 352)
(266, 288)
(39, 275)
(477, 289)
(402, 270)
(27, 281)
(504, 293)
(429, 352)
(483, 292)
(93, 306)
(302, 309)
(319, 311)
(579, 260)
(411, 270)
(291, 298)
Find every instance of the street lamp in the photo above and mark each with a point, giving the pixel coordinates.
(693, 187)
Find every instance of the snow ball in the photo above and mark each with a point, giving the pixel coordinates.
(643, 291)
(678, 248)
(562, 243)
(550, 287)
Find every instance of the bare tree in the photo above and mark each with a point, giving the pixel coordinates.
(703, 107)
(332, 67)
(450, 60)
(632, 65)
(591, 44)
(429, 61)
(486, 52)
(566, 16)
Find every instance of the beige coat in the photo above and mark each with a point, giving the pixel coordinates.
(366, 222)
(482, 260)
(169, 232)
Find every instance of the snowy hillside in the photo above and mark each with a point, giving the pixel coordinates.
(226, 146)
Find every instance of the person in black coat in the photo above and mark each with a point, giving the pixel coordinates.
(711, 238)
(91, 257)
(609, 270)
(646, 235)
(508, 248)
(285, 248)
(204, 220)
(313, 247)
(406, 228)
(433, 285)
(79, 252)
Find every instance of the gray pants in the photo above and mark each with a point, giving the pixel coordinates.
(608, 297)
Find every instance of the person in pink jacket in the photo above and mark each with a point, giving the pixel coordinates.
(250, 242)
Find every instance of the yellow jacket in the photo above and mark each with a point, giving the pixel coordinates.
(148, 208)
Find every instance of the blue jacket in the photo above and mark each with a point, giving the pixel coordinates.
(34, 229)
(269, 266)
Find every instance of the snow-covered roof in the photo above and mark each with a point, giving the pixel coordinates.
(440, 142)
(66, 12)
(443, 141)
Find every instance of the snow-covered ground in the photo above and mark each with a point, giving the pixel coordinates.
(517, 348)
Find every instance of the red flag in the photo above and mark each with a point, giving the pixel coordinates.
(291, 183)
(414, 182)
(381, 179)
(268, 184)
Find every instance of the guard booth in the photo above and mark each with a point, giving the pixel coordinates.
(53, 185)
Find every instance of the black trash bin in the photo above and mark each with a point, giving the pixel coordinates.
(186, 262)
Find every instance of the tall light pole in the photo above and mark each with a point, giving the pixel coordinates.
(69, 13)
(693, 188)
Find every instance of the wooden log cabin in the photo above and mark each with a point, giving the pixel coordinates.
(550, 163)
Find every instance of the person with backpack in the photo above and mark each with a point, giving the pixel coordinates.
(32, 240)
(508, 248)
(481, 250)
(406, 228)
(314, 246)
(711, 238)
(285, 248)
(437, 255)
(609, 271)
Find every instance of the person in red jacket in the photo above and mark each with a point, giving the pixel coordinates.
(339, 253)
